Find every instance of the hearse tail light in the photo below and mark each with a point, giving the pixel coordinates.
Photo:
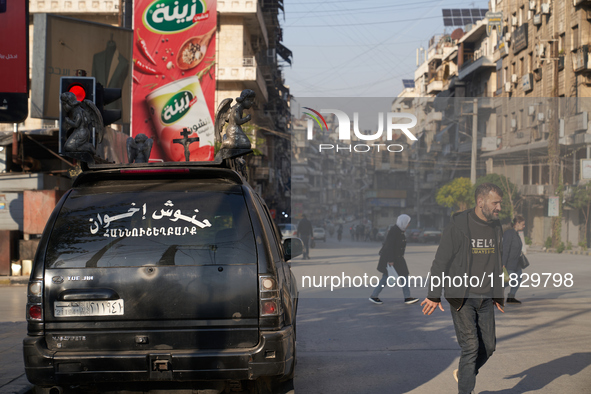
(269, 295)
(35, 301)
(35, 312)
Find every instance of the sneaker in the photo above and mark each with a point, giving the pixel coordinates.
(410, 300)
(375, 300)
(455, 373)
(512, 300)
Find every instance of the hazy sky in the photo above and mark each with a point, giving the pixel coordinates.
(359, 48)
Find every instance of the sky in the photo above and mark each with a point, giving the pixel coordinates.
(359, 48)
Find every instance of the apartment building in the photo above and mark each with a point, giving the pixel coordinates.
(530, 76)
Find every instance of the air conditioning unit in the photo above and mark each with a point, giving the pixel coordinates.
(513, 123)
(507, 86)
(545, 8)
(514, 78)
(532, 5)
(537, 19)
(541, 50)
(507, 37)
(541, 116)
(532, 110)
(514, 21)
(587, 79)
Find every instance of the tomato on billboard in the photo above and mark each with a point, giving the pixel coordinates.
(173, 74)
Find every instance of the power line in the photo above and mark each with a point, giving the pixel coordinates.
(369, 23)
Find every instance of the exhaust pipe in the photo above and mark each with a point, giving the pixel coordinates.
(56, 390)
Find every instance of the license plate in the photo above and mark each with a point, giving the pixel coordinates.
(88, 308)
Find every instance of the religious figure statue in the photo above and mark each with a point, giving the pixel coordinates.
(138, 149)
(83, 117)
(234, 137)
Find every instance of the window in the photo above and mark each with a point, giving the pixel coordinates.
(561, 44)
(526, 174)
(152, 228)
(530, 62)
(499, 74)
(575, 38)
(520, 21)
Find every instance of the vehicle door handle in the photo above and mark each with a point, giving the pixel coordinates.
(88, 294)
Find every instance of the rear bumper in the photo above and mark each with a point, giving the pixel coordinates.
(272, 357)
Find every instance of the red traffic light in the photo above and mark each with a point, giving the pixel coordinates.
(78, 91)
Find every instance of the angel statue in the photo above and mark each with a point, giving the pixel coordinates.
(138, 149)
(234, 137)
(81, 118)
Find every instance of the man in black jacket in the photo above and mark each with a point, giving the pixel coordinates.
(305, 232)
(468, 268)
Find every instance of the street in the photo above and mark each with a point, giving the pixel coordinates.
(348, 345)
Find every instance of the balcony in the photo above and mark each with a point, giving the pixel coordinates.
(74, 6)
(250, 11)
(435, 87)
(243, 70)
(475, 65)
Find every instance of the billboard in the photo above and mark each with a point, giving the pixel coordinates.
(173, 75)
(63, 45)
(14, 62)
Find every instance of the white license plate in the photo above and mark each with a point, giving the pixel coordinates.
(88, 308)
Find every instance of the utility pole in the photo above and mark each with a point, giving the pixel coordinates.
(553, 148)
(474, 141)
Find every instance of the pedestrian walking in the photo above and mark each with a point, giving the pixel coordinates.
(512, 249)
(392, 254)
(340, 232)
(305, 232)
(470, 247)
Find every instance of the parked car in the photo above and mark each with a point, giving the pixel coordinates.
(161, 277)
(430, 235)
(412, 235)
(382, 233)
(288, 230)
(319, 234)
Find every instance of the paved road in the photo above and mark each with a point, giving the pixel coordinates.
(348, 345)
(12, 330)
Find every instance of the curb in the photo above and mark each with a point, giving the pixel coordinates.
(14, 280)
(574, 252)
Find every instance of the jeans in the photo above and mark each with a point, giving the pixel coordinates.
(306, 241)
(383, 283)
(514, 289)
(475, 330)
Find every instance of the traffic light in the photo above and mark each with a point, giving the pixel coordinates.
(104, 97)
(84, 88)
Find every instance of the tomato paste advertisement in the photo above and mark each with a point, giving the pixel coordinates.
(173, 77)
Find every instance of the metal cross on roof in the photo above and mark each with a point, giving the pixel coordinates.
(186, 141)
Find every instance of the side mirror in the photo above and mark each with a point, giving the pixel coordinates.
(293, 248)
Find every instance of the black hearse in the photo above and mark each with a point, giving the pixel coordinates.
(161, 277)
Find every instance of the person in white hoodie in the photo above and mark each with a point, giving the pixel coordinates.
(392, 254)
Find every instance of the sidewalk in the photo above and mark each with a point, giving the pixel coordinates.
(13, 379)
(540, 249)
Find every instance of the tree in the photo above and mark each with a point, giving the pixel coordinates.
(581, 199)
(511, 196)
(457, 193)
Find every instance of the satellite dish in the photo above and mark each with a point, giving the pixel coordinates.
(457, 34)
